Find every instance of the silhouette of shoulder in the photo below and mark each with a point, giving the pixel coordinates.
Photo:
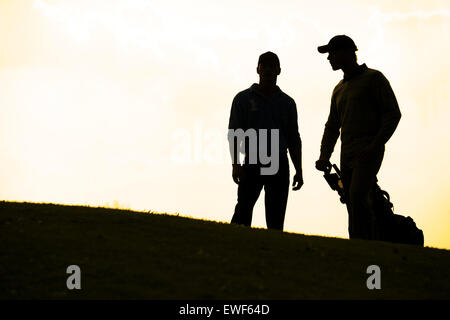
(242, 95)
(249, 93)
(375, 74)
(369, 75)
(288, 99)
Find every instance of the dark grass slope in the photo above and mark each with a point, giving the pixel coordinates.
(132, 255)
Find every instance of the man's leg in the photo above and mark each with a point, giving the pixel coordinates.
(363, 177)
(346, 175)
(276, 190)
(248, 192)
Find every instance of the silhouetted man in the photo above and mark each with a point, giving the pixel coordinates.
(364, 111)
(263, 125)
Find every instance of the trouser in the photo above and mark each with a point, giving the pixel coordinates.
(276, 188)
(358, 179)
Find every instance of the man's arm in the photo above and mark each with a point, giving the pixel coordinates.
(330, 134)
(390, 112)
(296, 157)
(390, 116)
(295, 147)
(235, 122)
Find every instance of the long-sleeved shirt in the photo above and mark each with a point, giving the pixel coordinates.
(252, 110)
(363, 111)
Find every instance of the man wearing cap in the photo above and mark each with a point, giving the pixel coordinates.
(365, 113)
(272, 115)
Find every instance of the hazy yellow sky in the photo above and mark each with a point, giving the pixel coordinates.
(128, 101)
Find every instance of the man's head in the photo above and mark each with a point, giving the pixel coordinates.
(268, 67)
(341, 51)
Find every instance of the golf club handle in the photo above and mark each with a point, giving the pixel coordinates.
(337, 169)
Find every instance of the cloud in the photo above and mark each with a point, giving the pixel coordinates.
(378, 19)
(417, 14)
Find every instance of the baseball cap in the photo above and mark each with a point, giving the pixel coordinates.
(338, 42)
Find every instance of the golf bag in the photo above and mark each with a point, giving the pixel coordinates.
(386, 225)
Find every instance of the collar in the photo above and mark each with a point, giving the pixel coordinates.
(358, 71)
(255, 88)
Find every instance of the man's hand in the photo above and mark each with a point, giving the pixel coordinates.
(237, 173)
(323, 165)
(298, 181)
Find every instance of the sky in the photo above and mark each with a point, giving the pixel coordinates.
(126, 103)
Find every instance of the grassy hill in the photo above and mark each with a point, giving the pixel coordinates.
(131, 255)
